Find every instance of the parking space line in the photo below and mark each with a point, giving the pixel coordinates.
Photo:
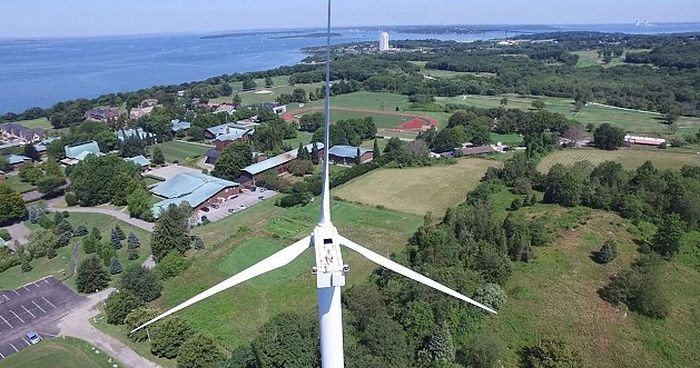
(51, 304)
(37, 285)
(16, 292)
(30, 313)
(25, 340)
(37, 305)
(8, 323)
(16, 316)
(25, 288)
(47, 281)
(2, 355)
(13, 347)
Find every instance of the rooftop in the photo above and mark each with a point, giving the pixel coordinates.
(130, 133)
(76, 149)
(177, 125)
(193, 188)
(278, 160)
(347, 151)
(140, 160)
(227, 129)
(44, 145)
(16, 159)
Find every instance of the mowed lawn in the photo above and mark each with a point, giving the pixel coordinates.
(417, 190)
(42, 123)
(629, 158)
(60, 352)
(182, 152)
(556, 296)
(643, 122)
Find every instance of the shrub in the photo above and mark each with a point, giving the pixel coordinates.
(491, 295)
(91, 276)
(132, 254)
(26, 267)
(89, 244)
(142, 282)
(119, 304)
(200, 351)
(483, 351)
(550, 353)
(136, 318)
(171, 265)
(197, 242)
(640, 288)
(71, 199)
(516, 204)
(5, 235)
(167, 337)
(607, 252)
(81, 230)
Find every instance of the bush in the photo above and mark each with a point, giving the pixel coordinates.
(197, 242)
(81, 230)
(119, 304)
(142, 282)
(607, 252)
(640, 288)
(483, 351)
(26, 266)
(200, 351)
(136, 318)
(171, 265)
(89, 244)
(132, 254)
(292, 200)
(71, 199)
(491, 295)
(516, 204)
(91, 276)
(550, 353)
(167, 337)
(5, 235)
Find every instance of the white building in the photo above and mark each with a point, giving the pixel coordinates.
(384, 41)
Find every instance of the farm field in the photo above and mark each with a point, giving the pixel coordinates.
(417, 190)
(643, 122)
(182, 152)
(629, 158)
(556, 296)
(60, 352)
(588, 58)
(245, 238)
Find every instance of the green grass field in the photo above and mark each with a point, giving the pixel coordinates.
(629, 158)
(182, 152)
(42, 123)
(14, 182)
(281, 85)
(302, 137)
(60, 352)
(240, 240)
(59, 266)
(633, 121)
(417, 190)
(556, 296)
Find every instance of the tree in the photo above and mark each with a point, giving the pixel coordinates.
(132, 241)
(12, 206)
(142, 282)
(358, 156)
(538, 104)
(608, 137)
(136, 318)
(491, 295)
(115, 267)
(49, 184)
(197, 242)
(90, 244)
(483, 351)
(269, 82)
(200, 351)
(284, 341)
(607, 252)
(315, 154)
(106, 252)
(171, 265)
(249, 84)
(375, 150)
(96, 233)
(504, 101)
(81, 230)
(25, 265)
(641, 288)
(64, 227)
(91, 276)
(31, 152)
(167, 337)
(132, 254)
(550, 353)
(139, 203)
(242, 357)
(590, 127)
(116, 236)
(302, 153)
(236, 100)
(171, 232)
(119, 304)
(667, 240)
(574, 133)
(235, 157)
(157, 156)
(480, 132)
(102, 179)
(4, 165)
(438, 348)
(40, 241)
(311, 122)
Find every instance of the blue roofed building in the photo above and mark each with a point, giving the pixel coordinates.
(278, 165)
(79, 151)
(140, 160)
(15, 160)
(347, 155)
(199, 190)
(133, 133)
(177, 125)
(43, 146)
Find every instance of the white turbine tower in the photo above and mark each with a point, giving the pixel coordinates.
(330, 269)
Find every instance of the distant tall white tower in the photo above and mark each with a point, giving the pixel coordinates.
(384, 41)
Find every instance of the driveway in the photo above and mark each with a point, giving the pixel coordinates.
(19, 232)
(148, 226)
(244, 200)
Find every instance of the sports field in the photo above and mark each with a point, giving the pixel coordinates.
(60, 352)
(417, 190)
(634, 121)
(629, 158)
(182, 152)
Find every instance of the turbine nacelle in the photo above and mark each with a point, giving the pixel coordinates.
(330, 269)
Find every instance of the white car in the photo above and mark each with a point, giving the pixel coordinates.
(33, 337)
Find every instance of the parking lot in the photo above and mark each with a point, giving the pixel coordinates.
(33, 307)
(244, 200)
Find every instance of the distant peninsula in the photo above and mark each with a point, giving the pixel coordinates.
(308, 35)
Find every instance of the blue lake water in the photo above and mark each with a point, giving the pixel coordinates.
(45, 71)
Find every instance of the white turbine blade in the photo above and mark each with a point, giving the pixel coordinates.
(277, 260)
(407, 272)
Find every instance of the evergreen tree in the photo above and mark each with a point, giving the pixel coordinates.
(81, 230)
(91, 276)
(142, 282)
(358, 156)
(200, 351)
(171, 232)
(157, 156)
(132, 241)
(116, 237)
(89, 244)
(106, 252)
(51, 253)
(26, 267)
(96, 233)
(64, 227)
(437, 348)
(136, 318)
(375, 150)
(167, 337)
(132, 254)
(197, 242)
(119, 304)
(314, 154)
(607, 252)
(667, 240)
(115, 267)
(63, 240)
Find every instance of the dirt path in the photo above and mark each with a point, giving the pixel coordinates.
(77, 324)
(73, 261)
(289, 115)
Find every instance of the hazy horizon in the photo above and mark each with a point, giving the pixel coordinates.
(22, 19)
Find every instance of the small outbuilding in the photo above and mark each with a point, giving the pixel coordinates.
(348, 155)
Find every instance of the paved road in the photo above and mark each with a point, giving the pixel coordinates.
(148, 226)
(37, 306)
(19, 232)
(77, 324)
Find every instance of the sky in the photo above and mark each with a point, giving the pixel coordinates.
(69, 18)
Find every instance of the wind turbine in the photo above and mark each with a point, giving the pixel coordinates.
(330, 269)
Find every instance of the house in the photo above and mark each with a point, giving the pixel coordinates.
(649, 141)
(347, 155)
(16, 160)
(102, 114)
(79, 151)
(274, 107)
(43, 146)
(149, 102)
(232, 130)
(138, 113)
(233, 135)
(18, 132)
(227, 108)
(278, 165)
(133, 133)
(199, 190)
(177, 125)
(212, 155)
(140, 160)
